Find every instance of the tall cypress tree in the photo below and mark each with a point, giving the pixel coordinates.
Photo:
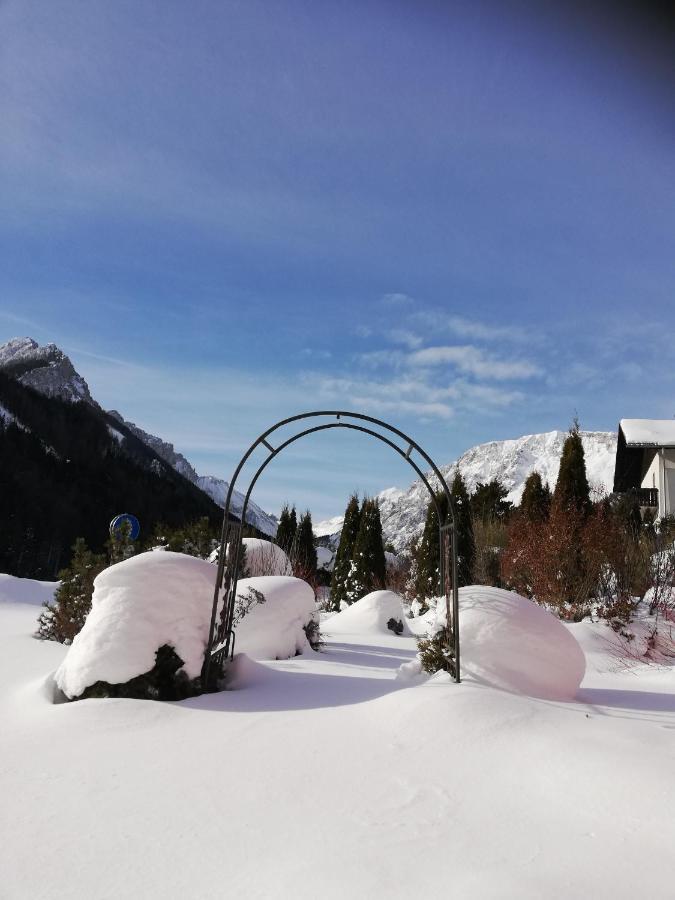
(345, 551)
(304, 561)
(286, 529)
(427, 557)
(368, 568)
(466, 550)
(571, 490)
(536, 500)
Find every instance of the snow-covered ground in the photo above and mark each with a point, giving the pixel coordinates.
(327, 775)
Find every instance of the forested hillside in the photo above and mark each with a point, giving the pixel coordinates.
(66, 469)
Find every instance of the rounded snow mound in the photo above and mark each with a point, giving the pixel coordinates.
(275, 629)
(369, 614)
(265, 558)
(153, 599)
(512, 643)
(139, 605)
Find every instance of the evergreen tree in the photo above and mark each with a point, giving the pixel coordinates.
(464, 530)
(304, 561)
(286, 529)
(427, 555)
(368, 568)
(488, 501)
(536, 500)
(120, 546)
(63, 619)
(571, 490)
(345, 552)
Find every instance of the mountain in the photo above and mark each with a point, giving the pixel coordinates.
(66, 468)
(511, 461)
(216, 488)
(50, 372)
(46, 369)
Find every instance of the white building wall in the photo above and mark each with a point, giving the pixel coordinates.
(660, 474)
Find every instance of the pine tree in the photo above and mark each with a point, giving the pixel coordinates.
(571, 490)
(464, 530)
(304, 561)
(286, 530)
(345, 552)
(368, 569)
(63, 619)
(536, 500)
(119, 545)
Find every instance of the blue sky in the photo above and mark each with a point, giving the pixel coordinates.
(460, 217)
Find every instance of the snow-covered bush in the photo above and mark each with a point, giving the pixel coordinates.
(148, 627)
(512, 643)
(264, 558)
(370, 614)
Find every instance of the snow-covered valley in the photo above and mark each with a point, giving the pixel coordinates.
(328, 774)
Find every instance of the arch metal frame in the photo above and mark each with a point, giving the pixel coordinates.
(221, 640)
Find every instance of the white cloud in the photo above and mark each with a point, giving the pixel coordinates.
(474, 361)
(404, 337)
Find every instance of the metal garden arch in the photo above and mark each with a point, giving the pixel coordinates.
(221, 634)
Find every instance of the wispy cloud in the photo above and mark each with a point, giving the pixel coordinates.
(474, 361)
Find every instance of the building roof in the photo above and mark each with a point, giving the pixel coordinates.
(648, 432)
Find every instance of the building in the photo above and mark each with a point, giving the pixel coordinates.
(645, 463)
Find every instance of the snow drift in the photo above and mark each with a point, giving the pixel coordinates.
(159, 598)
(510, 642)
(26, 590)
(369, 615)
(275, 629)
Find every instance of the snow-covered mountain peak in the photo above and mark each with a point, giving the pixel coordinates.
(47, 369)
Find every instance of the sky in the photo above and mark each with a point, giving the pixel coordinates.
(456, 217)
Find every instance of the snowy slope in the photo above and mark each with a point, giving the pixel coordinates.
(216, 488)
(511, 461)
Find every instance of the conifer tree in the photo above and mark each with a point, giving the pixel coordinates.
(536, 500)
(464, 530)
(488, 501)
(63, 619)
(427, 556)
(286, 530)
(304, 561)
(345, 552)
(368, 568)
(571, 490)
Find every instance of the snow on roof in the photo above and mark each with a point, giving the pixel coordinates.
(649, 432)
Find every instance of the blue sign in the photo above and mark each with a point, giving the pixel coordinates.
(125, 519)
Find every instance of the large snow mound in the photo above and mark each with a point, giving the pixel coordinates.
(139, 605)
(275, 629)
(512, 643)
(370, 614)
(159, 598)
(265, 558)
(26, 590)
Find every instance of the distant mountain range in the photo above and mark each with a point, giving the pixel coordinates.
(511, 461)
